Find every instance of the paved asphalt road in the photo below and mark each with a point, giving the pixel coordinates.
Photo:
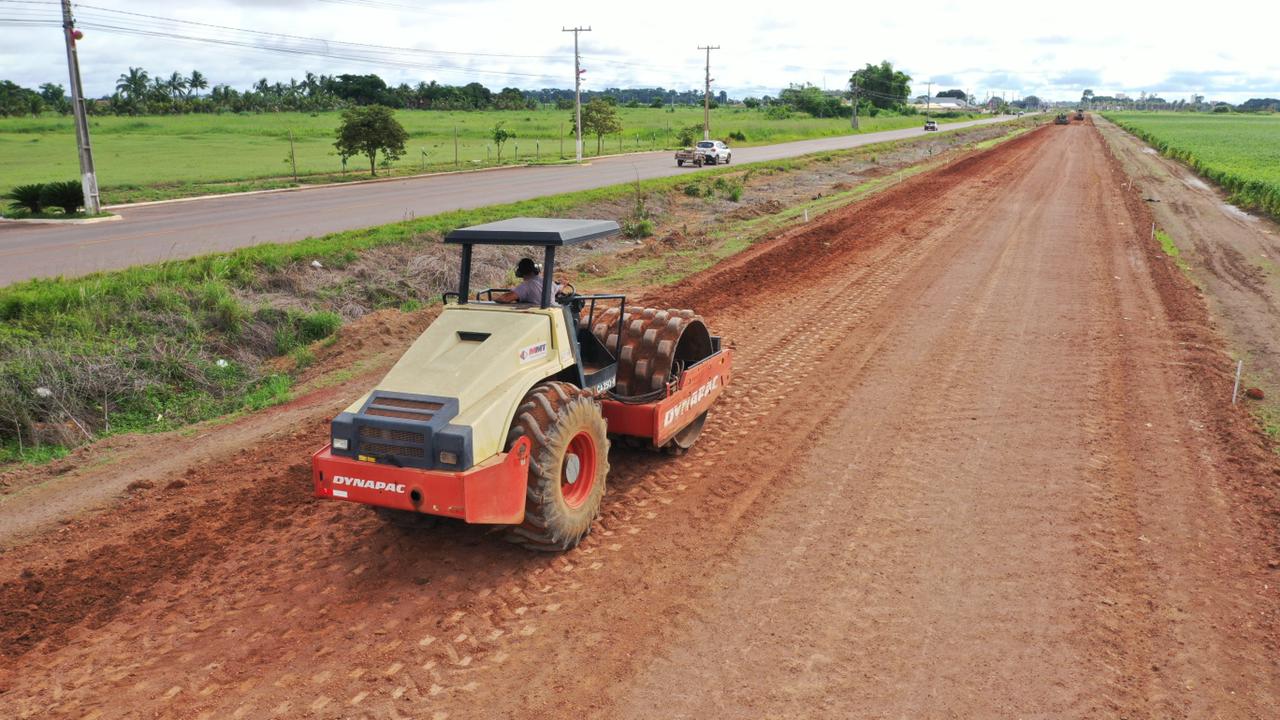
(163, 231)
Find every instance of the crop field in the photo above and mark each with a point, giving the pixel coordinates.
(1239, 152)
(156, 156)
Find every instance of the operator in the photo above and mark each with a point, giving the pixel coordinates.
(530, 288)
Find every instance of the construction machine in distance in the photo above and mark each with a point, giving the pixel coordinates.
(1062, 119)
(502, 414)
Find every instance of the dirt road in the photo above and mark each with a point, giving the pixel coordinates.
(976, 463)
(168, 231)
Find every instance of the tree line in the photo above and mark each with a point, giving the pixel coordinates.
(139, 92)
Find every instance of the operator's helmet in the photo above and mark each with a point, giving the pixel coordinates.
(527, 267)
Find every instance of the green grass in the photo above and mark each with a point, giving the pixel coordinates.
(1239, 152)
(11, 214)
(1172, 250)
(10, 453)
(169, 156)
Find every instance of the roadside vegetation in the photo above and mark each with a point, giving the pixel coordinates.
(1239, 152)
(157, 347)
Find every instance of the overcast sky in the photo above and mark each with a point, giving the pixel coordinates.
(1054, 49)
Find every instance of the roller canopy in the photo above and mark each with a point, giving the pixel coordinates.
(548, 232)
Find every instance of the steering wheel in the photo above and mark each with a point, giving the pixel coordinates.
(566, 291)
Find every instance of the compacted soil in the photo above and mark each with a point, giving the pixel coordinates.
(978, 460)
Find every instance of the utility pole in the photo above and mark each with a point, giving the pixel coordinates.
(88, 177)
(577, 89)
(853, 82)
(706, 95)
(928, 98)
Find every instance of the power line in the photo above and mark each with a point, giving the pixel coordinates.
(394, 48)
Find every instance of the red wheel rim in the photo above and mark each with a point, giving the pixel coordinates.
(578, 471)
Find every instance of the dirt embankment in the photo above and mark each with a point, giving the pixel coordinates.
(974, 462)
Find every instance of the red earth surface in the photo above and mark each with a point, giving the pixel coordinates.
(978, 460)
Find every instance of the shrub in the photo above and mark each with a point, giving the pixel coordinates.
(689, 135)
(320, 325)
(738, 135)
(692, 190)
(25, 197)
(65, 194)
(636, 228)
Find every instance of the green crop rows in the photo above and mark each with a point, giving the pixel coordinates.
(1239, 152)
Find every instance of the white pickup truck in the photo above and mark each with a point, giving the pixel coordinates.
(706, 152)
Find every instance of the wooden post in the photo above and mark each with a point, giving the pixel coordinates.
(455, 146)
(293, 160)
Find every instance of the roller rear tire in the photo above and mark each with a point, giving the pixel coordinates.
(568, 464)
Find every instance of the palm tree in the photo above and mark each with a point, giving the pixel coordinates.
(176, 84)
(197, 81)
(133, 84)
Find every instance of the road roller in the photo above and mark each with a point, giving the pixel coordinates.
(503, 413)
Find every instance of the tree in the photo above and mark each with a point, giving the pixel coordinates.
(882, 85)
(55, 97)
(16, 100)
(363, 90)
(811, 99)
(133, 87)
(1086, 98)
(1031, 102)
(368, 130)
(600, 118)
(177, 85)
(500, 136)
(957, 94)
(197, 81)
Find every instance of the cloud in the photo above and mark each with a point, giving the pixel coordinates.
(967, 41)
(1052, 40)
(1003, 80)
(1202, 80)
(945, 79)
(1077, 79)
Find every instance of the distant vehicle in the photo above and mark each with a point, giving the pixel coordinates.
(930, 124)
(1079, 114)
(706, 152)
(1061, 119)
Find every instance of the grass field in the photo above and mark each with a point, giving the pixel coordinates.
(1239, 152)
(143, 158)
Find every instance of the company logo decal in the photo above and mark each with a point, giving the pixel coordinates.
(378, 485)
(690, 402)
(533, 352)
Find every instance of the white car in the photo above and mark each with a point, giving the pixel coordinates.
(713, 152)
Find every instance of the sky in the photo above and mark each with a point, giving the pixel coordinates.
(1224, 50)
